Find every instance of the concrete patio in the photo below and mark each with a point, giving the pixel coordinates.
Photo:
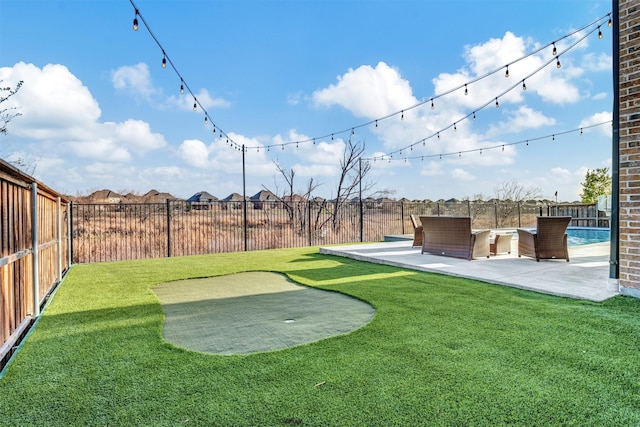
(586, 276)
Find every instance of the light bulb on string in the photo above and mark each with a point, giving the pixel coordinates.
(164, 62)
(332, 137)
(353, 132)
(524, 86)
(432, 106)
(503, 148)
(474, 115)
(481, 151)
(558, 65)
(402, 115)
(599, 33)
(555, 51)
(454, 127)
(135, 21)
(181, 89)
(376, 123)
(497, 103)
(466, 91)
(314, 141)
(297, 144)
(438, 135)
(580, 131)
(553, 137)
(506, 73)
(195, 105)
(610, 23)
(206, 120)
(282, 147)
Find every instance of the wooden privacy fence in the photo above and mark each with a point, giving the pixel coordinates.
(34, 252)
(113, 232)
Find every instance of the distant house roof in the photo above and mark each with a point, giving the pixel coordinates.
(263, 196)
(202, 197)
(233, 197)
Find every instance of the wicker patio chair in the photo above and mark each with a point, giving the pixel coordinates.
(547, 241)
(453, 237)
(417, 230)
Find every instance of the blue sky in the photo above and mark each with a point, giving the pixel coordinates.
(98, 110)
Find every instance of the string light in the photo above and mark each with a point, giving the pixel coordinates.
(135, 21)
(599, 33)
(597, 22)
(497, 103)
(466, 92)
(558, 65)
(195, 105)
(610, 23)
(501, 146)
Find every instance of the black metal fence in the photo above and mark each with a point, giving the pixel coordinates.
(112, 232)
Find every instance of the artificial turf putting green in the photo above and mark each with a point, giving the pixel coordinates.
(254, 311)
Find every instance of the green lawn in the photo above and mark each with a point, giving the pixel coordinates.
(439, 351)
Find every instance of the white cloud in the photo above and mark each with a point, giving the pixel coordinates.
(368, 91)
(597, 62)
(134, 79)
(185, 102)
(462, 175)
(58, 109)
(52, 101)
(194, 153)
(522, 118)
(603, 118)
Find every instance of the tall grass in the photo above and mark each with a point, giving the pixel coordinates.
(439, 351)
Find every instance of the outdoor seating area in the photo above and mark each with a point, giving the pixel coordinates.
(453, 236)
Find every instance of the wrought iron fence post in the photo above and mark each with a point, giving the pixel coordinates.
(309, 219)
(495, 212)
(168, 228)
(402, 215)
(519, 216)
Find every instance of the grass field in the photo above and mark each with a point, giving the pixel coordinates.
(439, 351)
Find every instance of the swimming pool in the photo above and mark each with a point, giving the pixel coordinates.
(577, 236)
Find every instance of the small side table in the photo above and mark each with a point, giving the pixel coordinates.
(501, 244)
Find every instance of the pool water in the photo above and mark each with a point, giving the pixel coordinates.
(583, 236)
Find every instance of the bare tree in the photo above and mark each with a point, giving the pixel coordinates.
(516, 192)
(352, 173)
(6, 114)
(510, 194)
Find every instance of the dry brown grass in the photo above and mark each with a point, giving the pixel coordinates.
(110, 233)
